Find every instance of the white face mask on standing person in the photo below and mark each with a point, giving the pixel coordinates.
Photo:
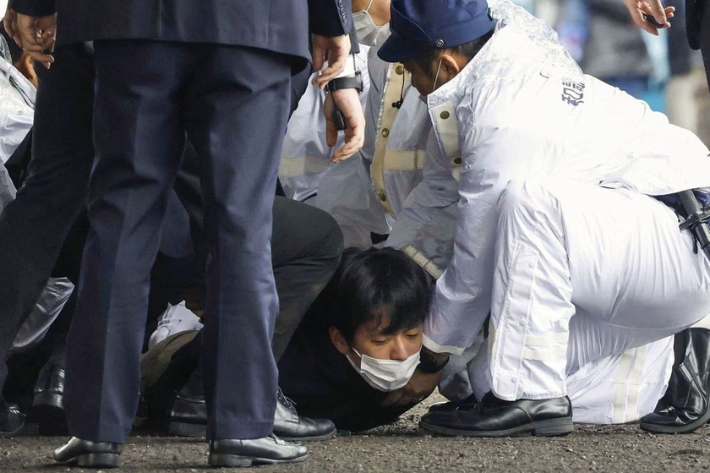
(386, 375)
(368, 33)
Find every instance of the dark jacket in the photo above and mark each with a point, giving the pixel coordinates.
(322, 382)
(276, 25)
(694, 12)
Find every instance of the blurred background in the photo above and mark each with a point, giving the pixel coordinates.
(661, 70)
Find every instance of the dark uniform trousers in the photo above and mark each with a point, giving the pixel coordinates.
(232, 102)
(697, 18)
(34, 226)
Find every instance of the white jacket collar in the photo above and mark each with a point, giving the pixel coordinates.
(520, 41)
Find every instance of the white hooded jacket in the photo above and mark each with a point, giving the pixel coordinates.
(523, 109)
(365, 193)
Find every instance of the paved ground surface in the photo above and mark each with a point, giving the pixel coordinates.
(403, 447)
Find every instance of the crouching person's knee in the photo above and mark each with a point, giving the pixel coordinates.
(524, 197)
(330, 248)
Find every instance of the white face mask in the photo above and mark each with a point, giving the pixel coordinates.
(386, 375)
(368, 33)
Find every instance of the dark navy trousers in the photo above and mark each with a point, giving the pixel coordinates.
(33, 227)
(232, 103)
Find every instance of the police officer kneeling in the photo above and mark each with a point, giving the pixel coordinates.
(561, 235)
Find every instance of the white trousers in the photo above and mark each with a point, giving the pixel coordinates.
(584, 273)
(614, 390)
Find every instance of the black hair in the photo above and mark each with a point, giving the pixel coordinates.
(376, 283)
(426, 58)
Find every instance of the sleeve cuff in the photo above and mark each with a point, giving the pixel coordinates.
(34, 7)
(426, 263)
(349, 69)
(436, 348)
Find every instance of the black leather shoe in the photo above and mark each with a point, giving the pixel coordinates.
(188, 414)
(48, 403)
(89, 454)
(11, 420)
(266, 450)
(290, 426)
(493, 417)
(188, 417)
(686, 405)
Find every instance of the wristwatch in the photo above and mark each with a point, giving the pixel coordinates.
(352, 82)
(430, 362)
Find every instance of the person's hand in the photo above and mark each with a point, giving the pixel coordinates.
(37, 37)
(654, 8)
(348, 102)
(416, 390)
(9, 22)
(337, 49)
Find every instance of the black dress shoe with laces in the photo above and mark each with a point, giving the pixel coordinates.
(493, 417)
(11, 420)
(290, 426)
(48, 403)
(87, 454)
(188, 417)
(264, 451)
(686, 405)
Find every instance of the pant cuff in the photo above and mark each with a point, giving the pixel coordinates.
(225, 429)
(101, 432)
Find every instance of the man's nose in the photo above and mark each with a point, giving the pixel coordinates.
(399, 350)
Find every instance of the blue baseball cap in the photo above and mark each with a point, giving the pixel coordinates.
(417, 25)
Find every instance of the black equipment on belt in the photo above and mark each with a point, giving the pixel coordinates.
(697, 219)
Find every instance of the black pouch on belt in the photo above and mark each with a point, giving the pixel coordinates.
(694, 204)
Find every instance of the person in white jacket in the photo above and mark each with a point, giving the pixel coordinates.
(306, 171)
(366, 194)
(617, 389)
(559, 234)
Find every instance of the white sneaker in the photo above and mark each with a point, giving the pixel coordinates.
(175, 319)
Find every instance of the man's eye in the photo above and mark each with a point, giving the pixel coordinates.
(380, 342)
(412, 335)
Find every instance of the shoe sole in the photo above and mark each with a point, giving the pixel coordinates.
(218, 460)
(543, 428)
(93, 460)
(48, 399)
(314, 438)
(686, 429)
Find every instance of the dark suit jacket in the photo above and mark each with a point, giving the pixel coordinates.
(276, 25)
(694, 14)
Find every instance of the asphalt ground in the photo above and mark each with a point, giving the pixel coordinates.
(403, 447)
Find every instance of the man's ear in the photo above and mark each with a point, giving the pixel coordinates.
(380, 12)
(26, 66)
(450, 65)
(338, 340)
